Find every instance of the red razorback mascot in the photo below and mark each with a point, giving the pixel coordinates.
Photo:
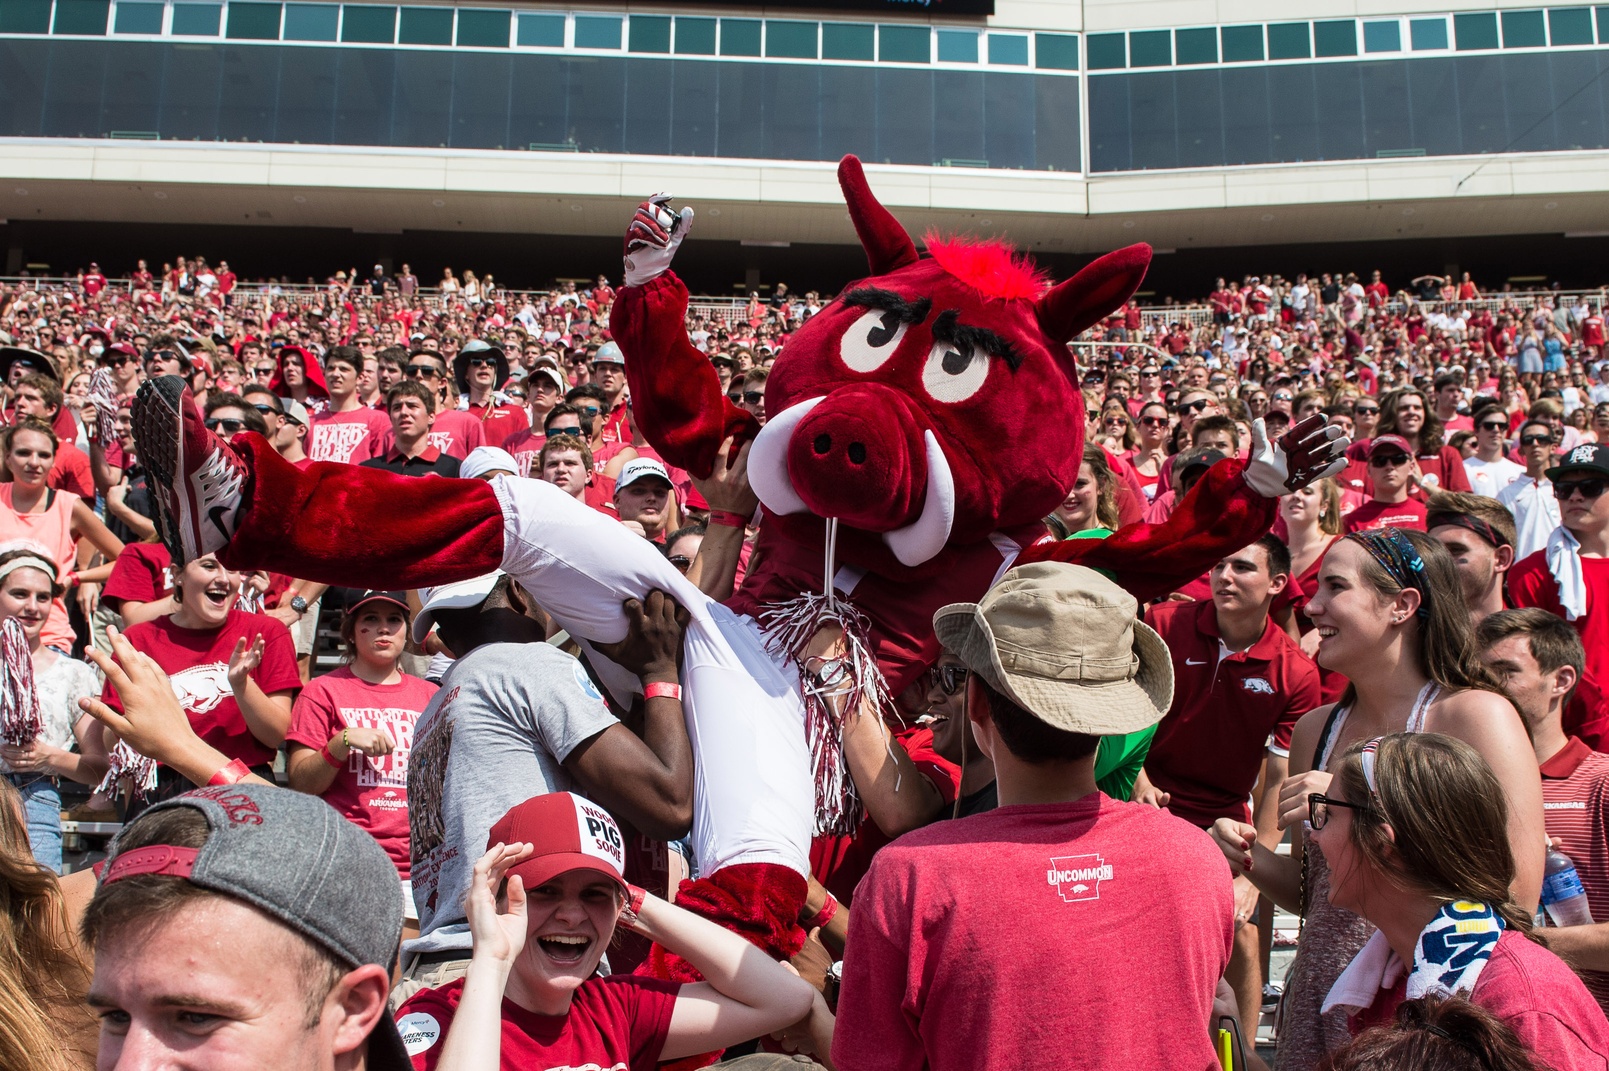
(924, 424)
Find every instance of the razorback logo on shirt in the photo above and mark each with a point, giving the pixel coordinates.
(1258, 685)
(441, 440)
(1078, 877)
(202, 688)
(376, 770)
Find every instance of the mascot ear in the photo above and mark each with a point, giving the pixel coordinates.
(887, 245)
(1098, 290)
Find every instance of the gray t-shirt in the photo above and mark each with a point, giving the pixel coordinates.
(506, 717)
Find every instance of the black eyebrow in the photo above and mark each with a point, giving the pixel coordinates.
(949, 328)
(870, 297)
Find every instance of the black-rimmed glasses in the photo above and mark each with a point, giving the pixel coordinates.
(950, 679)
(1318, 808)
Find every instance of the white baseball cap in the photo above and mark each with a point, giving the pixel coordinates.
(638, 468)
(456, 596)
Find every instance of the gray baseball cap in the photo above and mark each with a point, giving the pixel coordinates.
(295, 858)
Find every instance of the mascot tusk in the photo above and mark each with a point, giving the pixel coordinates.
(924, 537)
(768, 460)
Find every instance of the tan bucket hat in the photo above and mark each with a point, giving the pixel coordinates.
(1066, 644)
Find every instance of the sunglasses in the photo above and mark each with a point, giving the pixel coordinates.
(1193, 407)
(122, 359)
(1154, 421)
(161, 355)
(753, 397)
(1390, 461)
(423, 371)
(1283, 397)
(483, 362)
(517, 395)
(1591, 490)
(1536, 440)
(265, 409)
(565, 431)
(228, 424)
(950, 679)
(1494, 425)
(1365, 410)
(682, 562)
(1318, 809)
(735, 399)
(1151, 373)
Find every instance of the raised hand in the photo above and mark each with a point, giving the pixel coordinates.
(1308, 452)
(653, 643)
(1293, 793)
(498, 932)
(727, 488)
(244, 661)
(152, 723)
(652, 238)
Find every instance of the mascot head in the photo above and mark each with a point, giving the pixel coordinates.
(935, 401)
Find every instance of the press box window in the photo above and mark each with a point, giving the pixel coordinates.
(26, 16)
(541, 31)
(1242, 44)
(425, 26)
(1196, 46)
(1570, 25)
(1288, 40)
(904, 44)
(649, 33)
(1382, 36)
(136, 17)
(1150, 48)
(597, 31)
(1107, 51)
(83, 17)
(788, 39)
(366, 25)
(196, 20)
(1056, 51)
(848, 41)
(1476, 30)
(1428, 35)
(1009, 50)
(740, 37)
(309, 22)
(253, 22)
(1335, 38)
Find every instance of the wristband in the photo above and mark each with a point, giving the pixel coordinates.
(635, 895)
(663, 688)
(824, 916)
(232, 773)
(324, 753)
(72, 579)
(728, 519)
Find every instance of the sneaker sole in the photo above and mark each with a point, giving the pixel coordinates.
(158, 422)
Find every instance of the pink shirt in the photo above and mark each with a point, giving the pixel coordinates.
(51, 530)
(455, 433)
(349, 437)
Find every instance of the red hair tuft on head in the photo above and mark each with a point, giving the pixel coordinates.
(989, 266)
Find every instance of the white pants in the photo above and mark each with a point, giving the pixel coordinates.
(753, 796)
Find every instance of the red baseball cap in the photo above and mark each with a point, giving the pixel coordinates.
(569, 833)
(1395, 443)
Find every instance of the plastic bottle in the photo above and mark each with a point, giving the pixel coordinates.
(1563, 896)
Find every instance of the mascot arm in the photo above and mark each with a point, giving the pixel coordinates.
(676, 397)
(1220, 515)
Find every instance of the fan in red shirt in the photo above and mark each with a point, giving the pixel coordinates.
(39, 396)
(1377, 292)
(92, 281)
(1407, 413)
(234, 673)
(351, 730)
(1570, 578)
(348, 431)
(1592, 331)
(481, 369)
(566, 461)
(609, 373)
(1240, 684)
(1390, 476)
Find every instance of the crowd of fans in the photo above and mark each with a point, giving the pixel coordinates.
(1406, 682)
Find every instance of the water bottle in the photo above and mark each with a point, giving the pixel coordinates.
(1563, 896)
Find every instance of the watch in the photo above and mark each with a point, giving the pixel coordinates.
(298, 604)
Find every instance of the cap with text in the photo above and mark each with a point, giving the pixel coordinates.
(568, 832)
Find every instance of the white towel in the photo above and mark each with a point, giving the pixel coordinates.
(1374, 968)
(1564, 562)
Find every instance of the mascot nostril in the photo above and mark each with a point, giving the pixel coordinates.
(857, 453)
(823, 444)
(860, 456)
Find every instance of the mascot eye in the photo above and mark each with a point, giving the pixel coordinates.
(872, 340)
(954, 372)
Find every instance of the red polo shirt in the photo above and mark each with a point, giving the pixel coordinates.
(1226, 711)
(1575, 805)
(1531, 584)
(1375, 514)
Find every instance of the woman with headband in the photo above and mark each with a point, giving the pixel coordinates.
(1412, 830)
(27, 588)
(1391, 619)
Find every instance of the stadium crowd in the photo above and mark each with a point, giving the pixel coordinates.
(1406, 683)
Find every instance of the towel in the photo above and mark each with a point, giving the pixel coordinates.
(1564, 562)
(1448, 958)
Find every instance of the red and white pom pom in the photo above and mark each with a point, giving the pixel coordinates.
(127, 763)
(20, 724)
(103, 396)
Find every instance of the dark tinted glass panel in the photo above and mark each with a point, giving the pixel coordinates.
(1055, 124)
(131, 80)
(741, 107)
(1009, 49)
(480, 28)
(481, 86)
(1528, 104)
(649, 105)
(792, 131)
(1242, 44)
(22, 90)
(363, 101)
(1382, 36)
(1196, 46)
(847, 125)
(905, 116)
(740, 37)
(1387, 124)
(694, 36)
(1292, 113)
(138, 17)
(649, 33)
(1475, 30)
(1246, 123)
(958, 117)
(190, 91)
(196, 20)
(309, 81)
(1008, 125)
(1150, 48)
(692, 121)
(539, 101)
(24, 16)
(422, 99)
(1153, 121)
(1428, 34)
(1579, 122)
(1057, 51)
(247, 92)
(597, 31)
(792, 40)
(368, 25)
(1523, 29)
(904, 44)
(961, 46)
(1570, 25)
(425, 26)
(1110, 146)
(848, 41)
(1198, 99)
(1338, 105)
(1603, 24)
(73, 91)
(87, 17)
(597, 102)
(1336, 38)
(1107, 51)
(1482, 112)
(1433, 104)
(253, 22)
(540, 31)
(308, 22)
(1288, 40)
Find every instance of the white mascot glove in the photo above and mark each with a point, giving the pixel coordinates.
(1306, 453)
(652, 238)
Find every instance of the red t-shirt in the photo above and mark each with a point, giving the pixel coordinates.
(1446, 465)
(1208, 749)
(142, 573)
(350, 437)
(1575, 805)
(971, 937)
(618, 1023)
(71, 472)
(1536, 995)
(371, 792)
(499, 422)
(840, 862)
(1374, 514)
(197, 663)
(455, 433)
(1530, 584)
(524, 447)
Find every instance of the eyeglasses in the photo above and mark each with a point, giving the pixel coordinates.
(1494, 425)
(516, 395)
(1536, 440)
(229, 424)
(1388, 461)
(265, 409)
(753, 397)
(1193, 407)
(1590, 490)
(1150, 372)
(735, 399)
(682, 562)
(266, 370)
(565, 431)
(1154, 421)
(423, 371)
(1318, 809)
(950, 679)
(483, 362)
(1283, 397)
(122, 359)
(590, 410)
(161, 355)
(1365, 410)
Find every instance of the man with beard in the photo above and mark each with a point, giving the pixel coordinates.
(1479, 532)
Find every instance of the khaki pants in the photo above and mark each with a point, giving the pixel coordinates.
(427, 976)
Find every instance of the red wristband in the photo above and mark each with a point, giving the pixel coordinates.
(824, 916)
(232, 773)
(635, 895)
(663, 688)
(728, 519)
(324, 753)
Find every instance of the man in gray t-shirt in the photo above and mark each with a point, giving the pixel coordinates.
(496, 734)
